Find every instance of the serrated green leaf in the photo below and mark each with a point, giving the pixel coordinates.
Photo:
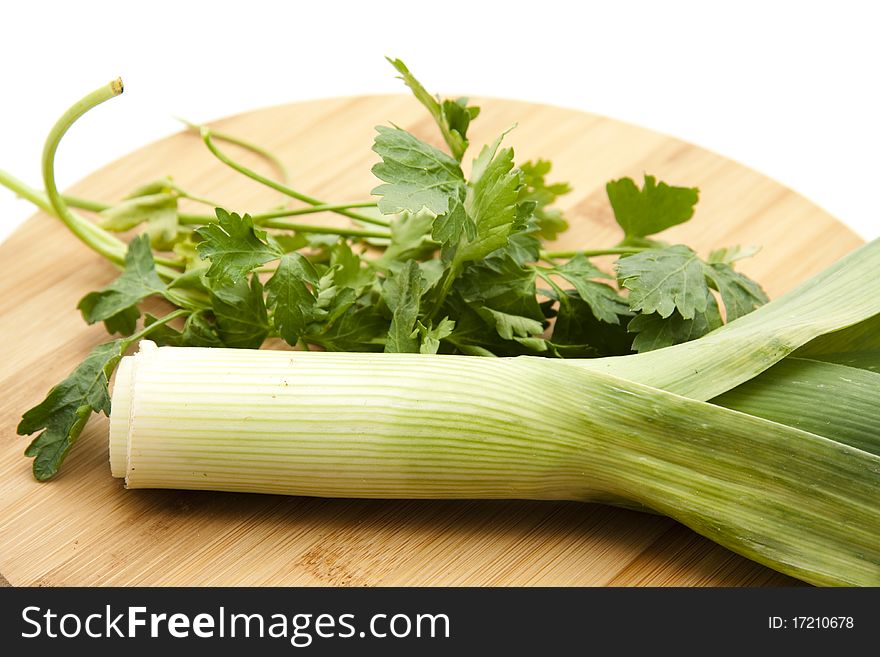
(240, 310)
(501, 284)
(157, 210)
(492, 204)
(68, 406)
(450, 228)
(579, 267)
(663, 280)
(577, 333)
(416, 175)
(730, 254)
(549, 221)
(356, 329)
(740, 294)
(291, 300)
(348, 268)
(430, 336)
(124, 322)
(116, 304)
(200, 330)
(452, 116)
(655, 207)
(402, 293)
(410, 238)
(511, 326)
(234, 247)
(656, 332)
(484, 158)
(604, 301)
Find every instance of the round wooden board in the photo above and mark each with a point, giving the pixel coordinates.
(83, 528)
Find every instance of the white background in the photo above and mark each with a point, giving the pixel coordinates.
(788, 88)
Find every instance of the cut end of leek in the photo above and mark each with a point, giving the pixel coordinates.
(121, 413)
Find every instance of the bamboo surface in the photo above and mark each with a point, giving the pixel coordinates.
(83, 528)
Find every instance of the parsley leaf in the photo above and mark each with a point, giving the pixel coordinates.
(234, 247)
(578, 333)
(663, 280)
(740, 294)
(604, 301)
(416, 175)
(452, 116)
(158, 211)
(730, 254)
(550, 221)
(674, 278)
(242, 320)
(116, 304)
(402, 291)
(291, 301)
(493, 205)
(410, 238)
(200, 330)
(503, 294)
(431, 336)
(656, 332)
(68, 406)
(655, 207)
(358, 328)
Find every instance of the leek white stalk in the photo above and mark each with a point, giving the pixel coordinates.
(412, 426)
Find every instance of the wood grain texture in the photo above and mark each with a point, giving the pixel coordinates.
(84, 529)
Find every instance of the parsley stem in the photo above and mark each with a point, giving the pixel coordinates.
(324, 230)
(96, 235)
(91, 235)
(589, 253)
(198, 219)
(38, 197)
(109, 247)
(247, 145)
(284, 189)
(146, 330)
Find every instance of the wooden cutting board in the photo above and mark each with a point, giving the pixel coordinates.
(84, 528)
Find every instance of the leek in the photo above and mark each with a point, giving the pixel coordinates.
(754, 469)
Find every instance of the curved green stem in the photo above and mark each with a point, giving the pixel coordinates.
(284, 189)
(91, 235)
(589, 253)
(146, 330)
(197, 219)
(269, 156)
(85, 231)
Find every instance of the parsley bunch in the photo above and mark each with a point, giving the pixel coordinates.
(444, 262)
